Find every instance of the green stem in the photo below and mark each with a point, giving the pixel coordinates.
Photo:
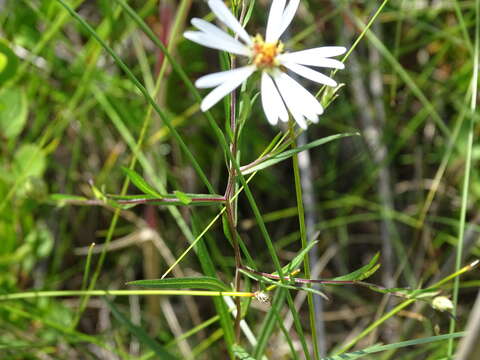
(303, 239)
(466, 179)
(89, 293)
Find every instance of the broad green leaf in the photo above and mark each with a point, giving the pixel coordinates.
(40, 241)
(140, 182)
(140, 334)
(13, 112)
(29, 161)
(201, 283)
(274, 159)
(241, 353)
(8, 63)
(362, 273)
(184, 198)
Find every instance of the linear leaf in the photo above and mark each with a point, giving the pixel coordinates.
(279, 284)
(184, 198)
(140, 182)
(202, 283)
(141, 334)
(297, 260)
(274, 159)
(362, 273)
(269, 323)
(241, 353)
(62, 199)
(168, 199)
(378, 348)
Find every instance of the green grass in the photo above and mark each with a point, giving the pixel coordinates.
(102, 141)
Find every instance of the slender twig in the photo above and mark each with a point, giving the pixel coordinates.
(230, 204)
(468, 167)
(140, 201)
(89, 293)
(171, 200)
(303, 239)
(311, 220)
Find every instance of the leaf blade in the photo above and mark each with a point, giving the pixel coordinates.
(276, 158)
(202, 283)
(140, 182)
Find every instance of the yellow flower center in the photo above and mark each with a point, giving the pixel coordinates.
(265, 54)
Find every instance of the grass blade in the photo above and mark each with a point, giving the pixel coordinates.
(140, 333)
(203, 282)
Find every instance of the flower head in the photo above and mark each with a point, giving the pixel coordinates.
(442, 303)
(279, 91)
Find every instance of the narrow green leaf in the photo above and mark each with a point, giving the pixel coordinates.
(184, 198)
(167, 199)
(274, 159)
(241, 353)
(140, 182)
(200, 283)
(288, 285)
(140, 87)
(140, 334)
(65, 197)
(97, 193)
(363, 272)
(297, 260)
(408, 293)
(330, 94)
(379, 348)
(220, 306)
(269, 323)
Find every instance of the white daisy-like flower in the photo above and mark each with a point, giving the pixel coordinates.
(279, 91)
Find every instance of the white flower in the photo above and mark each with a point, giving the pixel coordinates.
(279, 91)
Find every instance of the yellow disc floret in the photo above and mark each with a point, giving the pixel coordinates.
(265, 54)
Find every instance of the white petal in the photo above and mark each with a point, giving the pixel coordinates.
(299, 101)
(225, 88)
(288, 15)
(312, 60)
(268, 102)
(274, 21)
(310, 74)
(219, 43)
(217, 33)
(289, 100)
(323, 52)
(306, 101)
(218, 78)
(224, 15)
(271, 101)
